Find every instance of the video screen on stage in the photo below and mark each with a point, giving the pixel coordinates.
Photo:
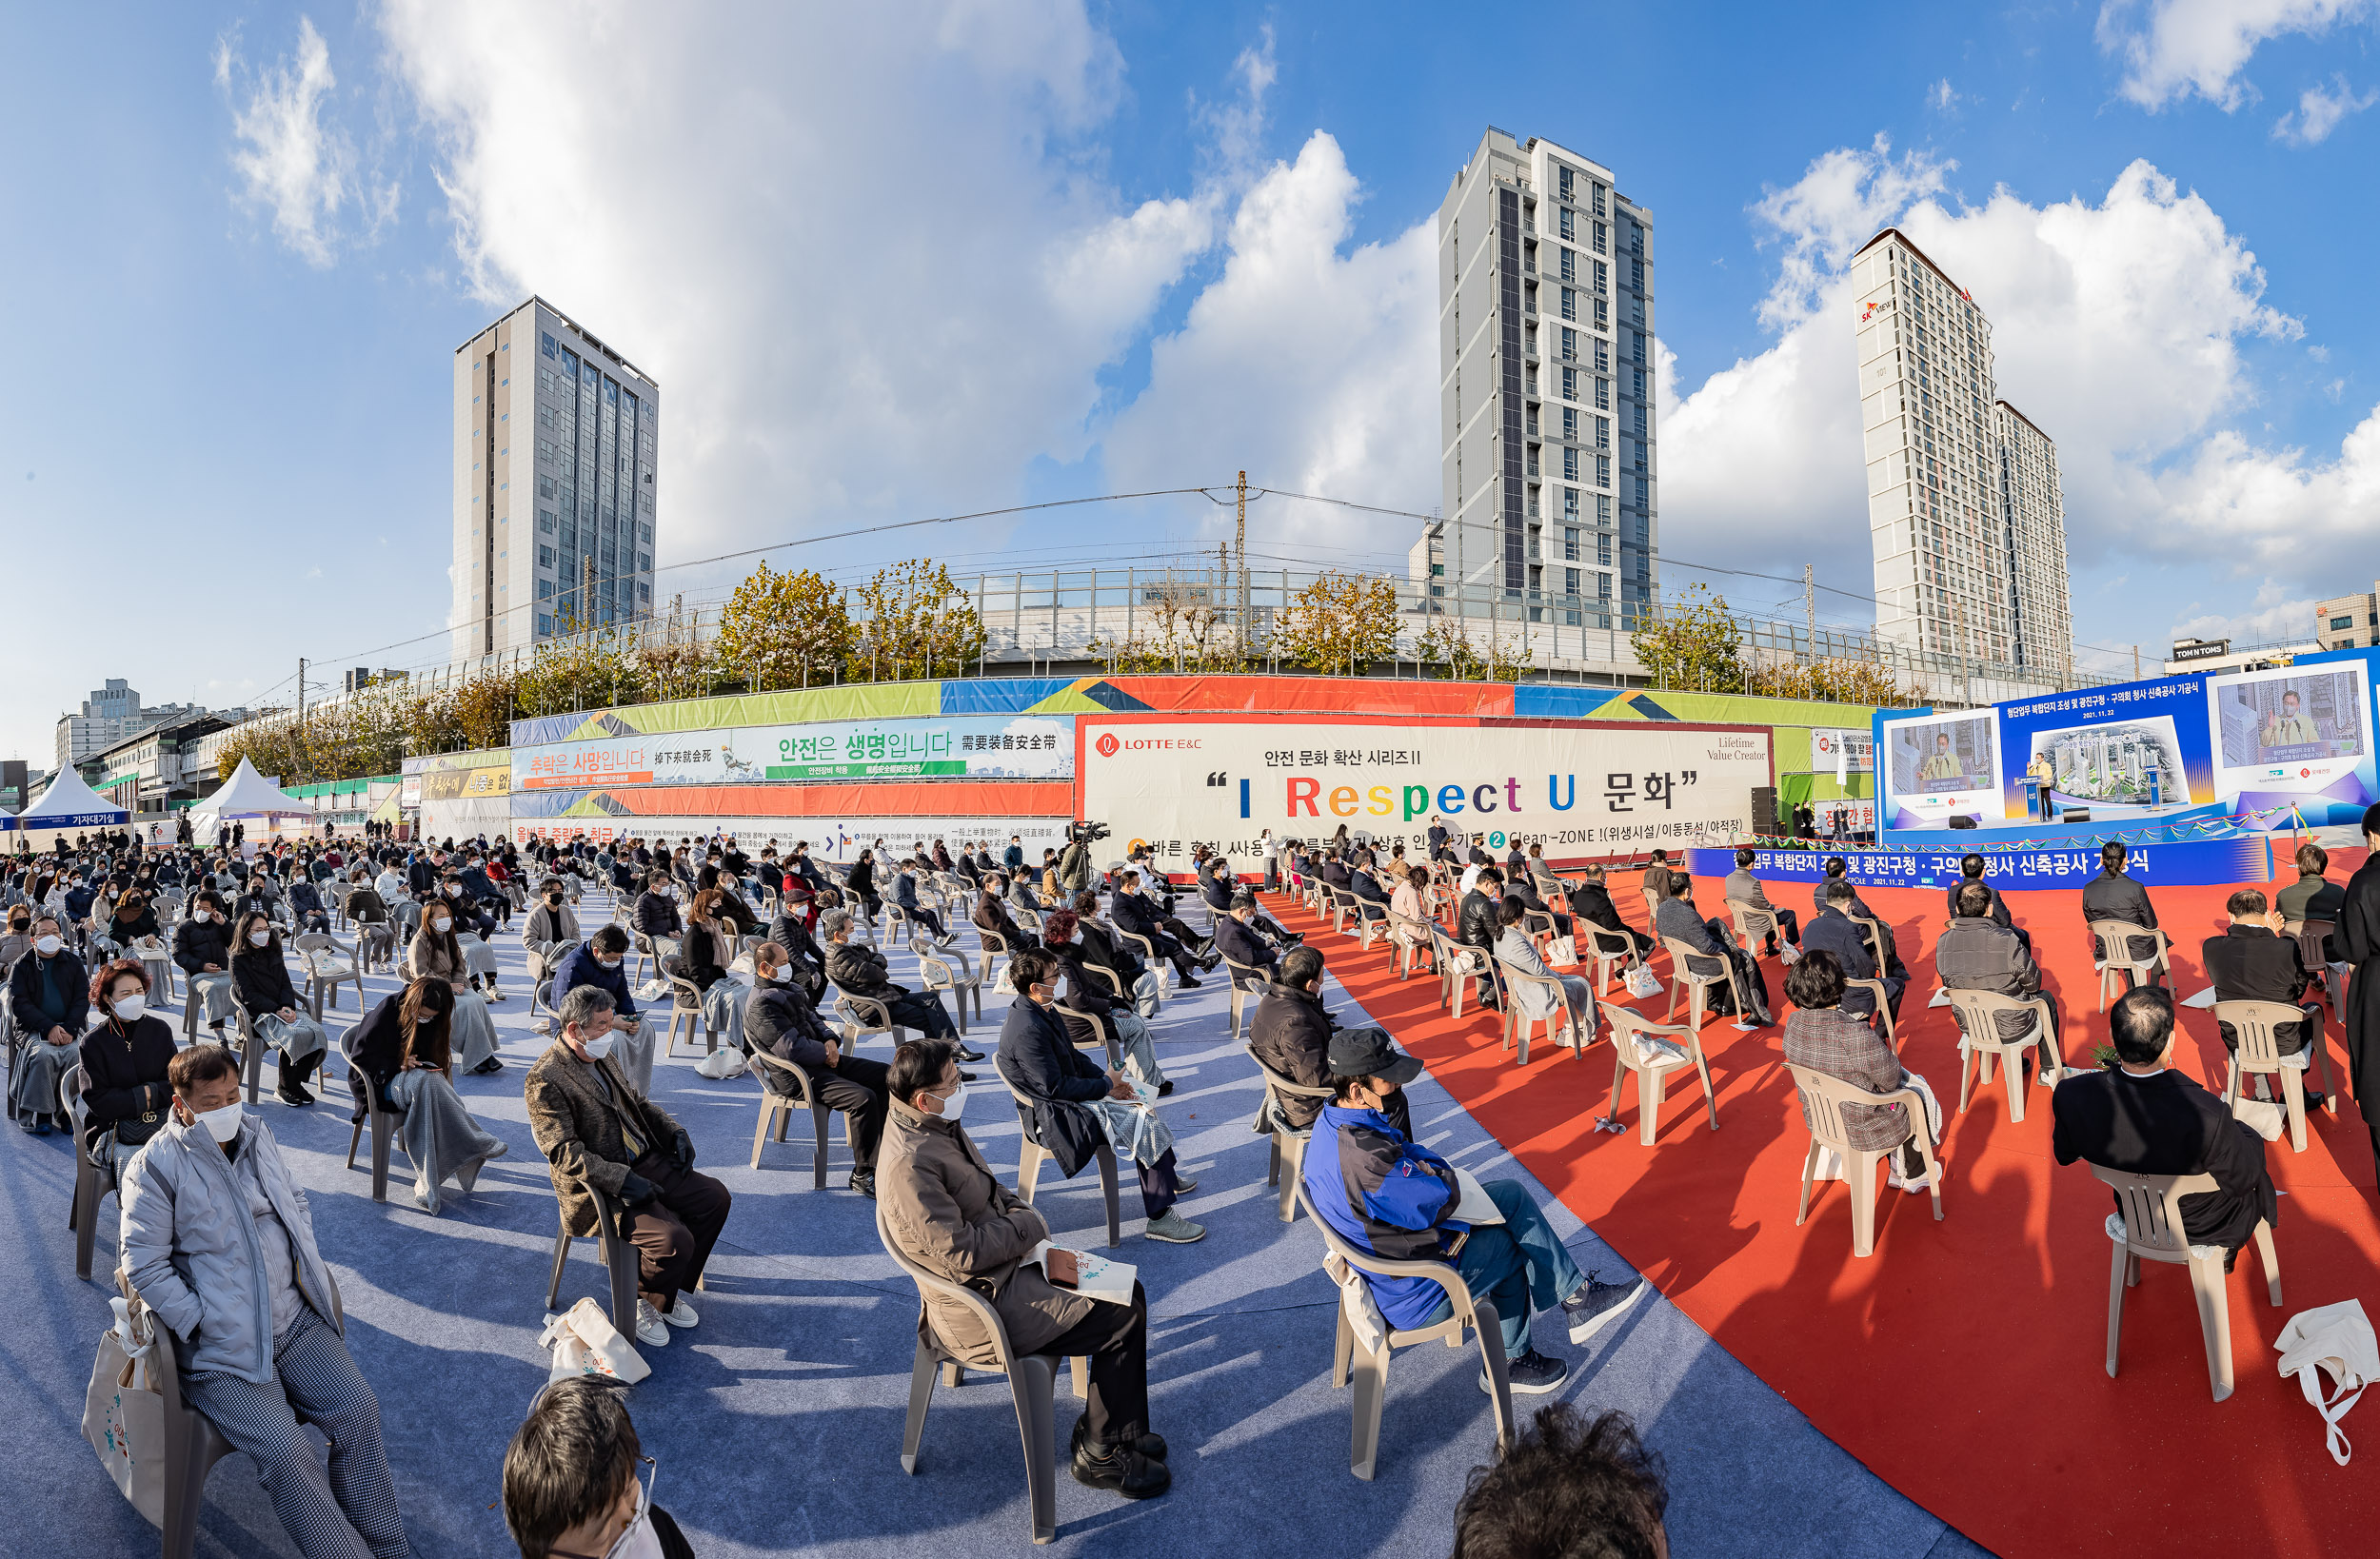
(2289, 716)
(2299, 736)
(1943, 766)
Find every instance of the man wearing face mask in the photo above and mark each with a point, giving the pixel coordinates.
(598, 1131)
(945, 1211)
(778, 1020)
(1388, 1194)
(552, 925)
(599, 962)
(202, 946)
(571, 1485)
(219, 1244)
(52, 999)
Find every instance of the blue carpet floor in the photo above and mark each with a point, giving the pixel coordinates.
(777, 1423)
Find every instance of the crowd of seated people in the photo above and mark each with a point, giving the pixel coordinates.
(570, 1482)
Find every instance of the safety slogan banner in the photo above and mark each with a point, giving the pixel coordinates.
(1581, 789)
(976, 746)
(834, 840)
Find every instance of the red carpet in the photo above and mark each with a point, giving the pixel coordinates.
(1963, 1362)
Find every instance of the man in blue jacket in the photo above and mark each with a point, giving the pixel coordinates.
(598, 961)
(1387, 1194)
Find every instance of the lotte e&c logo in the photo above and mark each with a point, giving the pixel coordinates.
(1107, 744)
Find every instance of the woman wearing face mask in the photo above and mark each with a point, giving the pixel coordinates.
(18, 936)
(577, 1485)
(50, 997)
(710, 947)
(404, 1050)
(261, 976)
(861, 879)
(219, 1244)
(124, 1057)
(436, 955)
(551, 926)
(131, 921)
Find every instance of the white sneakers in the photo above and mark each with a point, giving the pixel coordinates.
(649, 1329)
(681, 1314)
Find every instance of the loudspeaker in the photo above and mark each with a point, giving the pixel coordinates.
(2077, 814)
(1764, 809)
(1960, 819)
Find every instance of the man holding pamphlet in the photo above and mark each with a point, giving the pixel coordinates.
(1390, 1195)
(945, 1211)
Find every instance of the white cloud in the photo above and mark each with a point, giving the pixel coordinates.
(2117, 326)
(2275, 617)
(2180, 47)
(1311, 366)
(1833, 208)
(1940, 97)
(2318, 112)
(870, 263)
(288, 159)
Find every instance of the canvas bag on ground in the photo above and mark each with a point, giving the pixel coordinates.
(2335, 1340)
(1642, 982)
(124, 1422)
(585, 1343)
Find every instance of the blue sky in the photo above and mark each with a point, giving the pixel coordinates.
(930, 259)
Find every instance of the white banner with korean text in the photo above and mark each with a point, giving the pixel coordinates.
(1584, 790)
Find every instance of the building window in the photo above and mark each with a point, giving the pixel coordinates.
(1565, 177)
(1603, 432)
(1570, 383)
(545, 589)
(1600, 237)
(1570, 265)
(1570, 304)
(544, 624)
(1603, 471)
(1570, 345)
(545, 486)
(1602, 393)
(1570, 547)
(1569, 506)
(2342, 622)
(1570, 225)
(545, 521)
(1570, 424)
(544, 556)
(1644, 489)
(1602, 277)
(1603, 550)
(1570, 464)
(1604, 511)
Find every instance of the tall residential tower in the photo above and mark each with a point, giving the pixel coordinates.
(1545, 360)
(536, 397)
(1964, 512)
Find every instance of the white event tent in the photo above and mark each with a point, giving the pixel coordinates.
(248, 793)
(69, 804)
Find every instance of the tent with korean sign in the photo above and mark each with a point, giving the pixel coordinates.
(248, 793)
(70, 803)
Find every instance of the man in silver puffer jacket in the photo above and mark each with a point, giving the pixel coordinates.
(219, 1245)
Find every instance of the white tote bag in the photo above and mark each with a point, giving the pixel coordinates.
(585, 1343)
(1561, 950)
(2335, 1340)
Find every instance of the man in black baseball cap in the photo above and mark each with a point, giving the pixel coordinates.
(1384, 1193)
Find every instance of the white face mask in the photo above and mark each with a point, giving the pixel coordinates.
(48, 946)
(224, 1124)
(258, 938)
(954, 1103)
(597, 1048)
(130, 1007)
(640, 1541)
(441, 924)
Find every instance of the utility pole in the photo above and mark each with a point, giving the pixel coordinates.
(302, 694)
(2135, 663)
(586, 599)
(1810, 605)
(1241, 542)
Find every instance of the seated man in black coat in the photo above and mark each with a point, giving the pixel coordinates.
(1591, 902)
(805, 962)
(1475, 926)
(1519, 885)
(1371, 898)
(2145, 1118)
(2250, 962)
(1068, 1092)
(861, 972)
(1134, 911)
(1291, 1035)
(778, 1019)
(1239, 937)
(1837, 870)
(2112, 895)
(1832, 929)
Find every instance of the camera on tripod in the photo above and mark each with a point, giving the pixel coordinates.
(1086, 833)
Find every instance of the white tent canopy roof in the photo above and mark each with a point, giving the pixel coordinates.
(248, 793)
(70, 803)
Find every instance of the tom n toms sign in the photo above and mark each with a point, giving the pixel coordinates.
(1582, 789)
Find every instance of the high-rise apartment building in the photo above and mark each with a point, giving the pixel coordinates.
(109, 716)
(2350, 621)
(538, 398)
(1964, 512)
(1546, 371)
